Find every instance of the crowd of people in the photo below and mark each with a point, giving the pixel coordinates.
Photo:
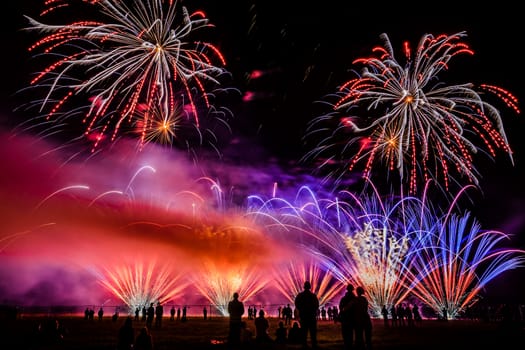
(295, 325)
(356, 324)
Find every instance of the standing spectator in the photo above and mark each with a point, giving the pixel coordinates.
(335, 314)
(307, 304)
(323, 313)
(159, 313)
(150, 315)
(137, 312)
(235, 310)
(184, 309)
(100, 313)
(362, 321)
(287, 314)
(205, 313)
(384, 312)
(126, 335)
(346, 317)
(144, 340)
(393, 313)
(144, 313)
(172, 313)
(400, 311)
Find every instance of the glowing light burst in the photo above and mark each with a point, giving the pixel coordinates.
(363, 241)
(404, 118)
(139, 55)
(139, 284)
(289, 279)
(456, 260)
(379, 256)
(217, 282)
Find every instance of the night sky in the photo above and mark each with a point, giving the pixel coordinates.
(305, 50)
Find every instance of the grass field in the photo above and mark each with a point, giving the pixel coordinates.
(197, 333)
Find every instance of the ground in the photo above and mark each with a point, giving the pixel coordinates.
(197, 334)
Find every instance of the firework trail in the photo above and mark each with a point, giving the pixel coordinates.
(402, 117)
(136, 68)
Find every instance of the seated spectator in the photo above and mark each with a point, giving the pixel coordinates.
(144, 340)
(294, 334)
(281, 333)
(246, 333)
(261, 328)
(126, 335)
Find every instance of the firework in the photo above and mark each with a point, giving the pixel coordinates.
(456, 260)
(290, 277)
(130, 71)
(402, 117)
(395, 247)
(217, 282)
(362, 241)
(138, 284)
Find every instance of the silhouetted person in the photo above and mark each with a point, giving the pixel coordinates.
(144, 340)
(362, 321)
(307, 304)
(287, 314)
(295, 334)
(126, 335)
(205, 313)
(261, 328)
(100, 313)
(246, 334)
(281, 334)
(393, 313)
(235, 310)
(346, 317)
(384, 312)
(159, 313)
(184, 318)
(400, 312)
(137, 312)
(172, 313)
(178, 314)
(150, 315)
(144, 313)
